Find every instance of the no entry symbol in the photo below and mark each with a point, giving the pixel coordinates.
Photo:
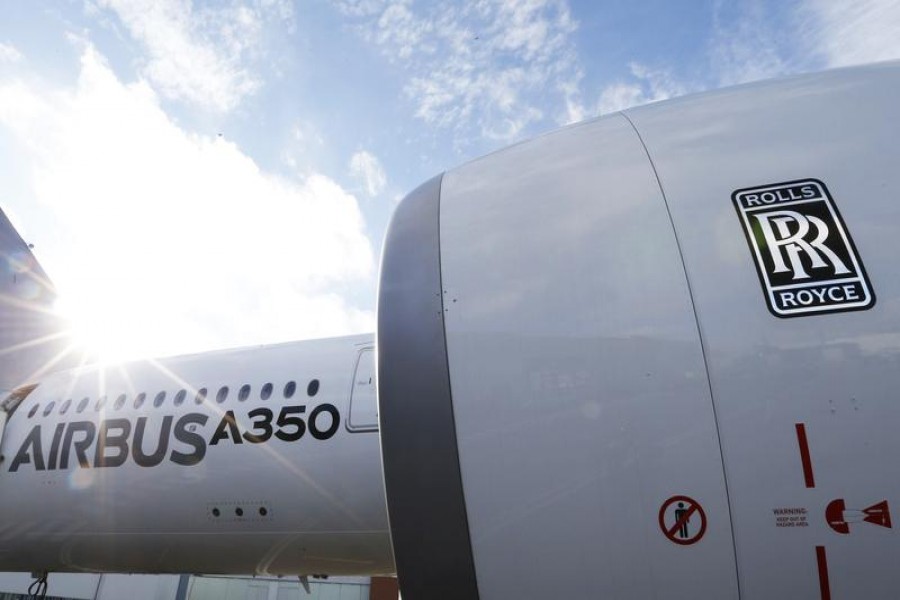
(682, 520)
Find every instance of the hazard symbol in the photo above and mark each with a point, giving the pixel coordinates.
(839, 516)
(682, 520)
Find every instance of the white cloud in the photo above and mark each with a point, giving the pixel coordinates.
(360, 8)
(198, 55)
(647, 85)
(171, 241)
(619, 96)
(366, 167)
(573, 109)
(303, 149)
(307, 134)
(9, 53)
(495, 66)
(847, 33)
(747, 44)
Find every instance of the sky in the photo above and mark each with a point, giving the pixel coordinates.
(199, 175)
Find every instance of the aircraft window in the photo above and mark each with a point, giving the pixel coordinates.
(100, 403)
(222, 395)
(49, 408)
(244, 393)
(65, 406)
(120, 402)
(139, 399)
(160, 398)
(265, 391)
(289, 388)
(33, 410)
(313, 388)
(200, 398)
(83, 404)
(179, 397)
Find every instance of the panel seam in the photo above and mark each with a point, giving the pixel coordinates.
(701, 337)
(442, 294)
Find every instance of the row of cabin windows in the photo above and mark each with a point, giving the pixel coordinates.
(265, 392)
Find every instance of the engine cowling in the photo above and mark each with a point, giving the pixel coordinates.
(639, 356)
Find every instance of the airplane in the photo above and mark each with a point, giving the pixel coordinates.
(260, 460)
(649, 355)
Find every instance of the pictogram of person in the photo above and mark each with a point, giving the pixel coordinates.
(680, 512)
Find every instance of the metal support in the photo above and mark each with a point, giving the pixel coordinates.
(38, 588)
(184, 582)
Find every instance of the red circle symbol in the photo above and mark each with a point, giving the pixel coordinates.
(680, 525)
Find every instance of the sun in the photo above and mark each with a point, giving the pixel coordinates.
(99, 330)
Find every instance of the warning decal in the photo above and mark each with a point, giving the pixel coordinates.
(791, 516)
(806, 260)
(682, 520)
(839, 517)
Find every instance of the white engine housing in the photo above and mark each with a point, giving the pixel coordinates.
(577, 333)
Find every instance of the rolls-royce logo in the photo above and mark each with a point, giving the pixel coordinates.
(804, 255)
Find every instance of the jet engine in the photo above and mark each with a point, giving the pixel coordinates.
(640, 356)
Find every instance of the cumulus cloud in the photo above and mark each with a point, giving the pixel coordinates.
(747, 45)
(494, 67)
(170, 241)
(748, 42)
(499, 67)
(9, 53)
(744, 45)
(366, 167)
(646, 85)
(198, 55)
(847, 33)
(360, 8)
(303, 148)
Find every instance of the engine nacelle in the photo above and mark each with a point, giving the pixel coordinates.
(641, 356)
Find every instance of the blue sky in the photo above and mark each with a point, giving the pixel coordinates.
(198, 175)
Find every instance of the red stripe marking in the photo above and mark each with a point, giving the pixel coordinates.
(823, 573)
(681, 521)
(804, 456)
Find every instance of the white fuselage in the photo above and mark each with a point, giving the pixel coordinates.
(240, 461)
